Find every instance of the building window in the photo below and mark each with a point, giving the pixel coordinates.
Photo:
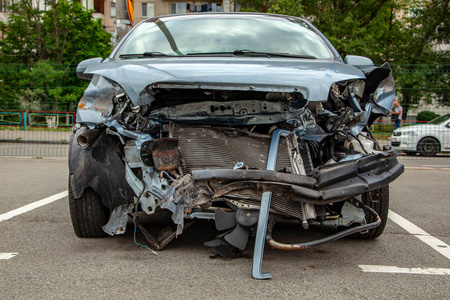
(178, 8)
(38, 4)
(113, 9)
(148, 10)
(217, 7)
(205, 7)
(88, 4)
(4, 5)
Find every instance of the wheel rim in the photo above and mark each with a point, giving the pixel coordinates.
(429, 147)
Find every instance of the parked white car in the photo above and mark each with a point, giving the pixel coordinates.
(426, 139)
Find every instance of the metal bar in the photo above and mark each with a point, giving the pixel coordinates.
(7, 114)
(264, 211)
(256, 175)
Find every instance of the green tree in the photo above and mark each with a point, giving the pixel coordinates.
(39, 51)
(403, 33)
(40, 89)
(353, 26)
(426, 116)
(423, 68)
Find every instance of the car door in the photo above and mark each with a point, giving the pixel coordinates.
(445, 135)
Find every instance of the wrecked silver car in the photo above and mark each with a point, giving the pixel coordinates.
(244, 119)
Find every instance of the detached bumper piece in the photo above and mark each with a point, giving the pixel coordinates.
(328, 184)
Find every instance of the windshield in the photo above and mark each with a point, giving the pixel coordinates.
(439, 120)
(221, 34)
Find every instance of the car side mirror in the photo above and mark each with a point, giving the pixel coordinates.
(82, 66)
(361, 62)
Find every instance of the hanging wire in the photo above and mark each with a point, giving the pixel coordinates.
(136, 221)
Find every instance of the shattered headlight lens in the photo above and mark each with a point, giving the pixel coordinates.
(357, 88)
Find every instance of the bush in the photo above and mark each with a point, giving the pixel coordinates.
(426, 116)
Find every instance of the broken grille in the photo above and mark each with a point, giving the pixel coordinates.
(222, 148)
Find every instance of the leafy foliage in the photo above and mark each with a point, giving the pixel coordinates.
(403, 33)
(39, 51)
(426, 116)
(427, 25)
(352, 26)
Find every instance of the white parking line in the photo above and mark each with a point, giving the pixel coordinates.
(7, 255)
(31, 206)
(392, 269)
(422, 235)
(428, 168)
(431, 241)
(436, 166)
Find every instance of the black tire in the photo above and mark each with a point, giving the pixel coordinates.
(88, 214)
(428, 146)
(378, 200)
(410, 153)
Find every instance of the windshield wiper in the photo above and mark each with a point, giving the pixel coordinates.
(242, 52)
(256, 53)
(146, 54)
(245, 52)
(211, 54)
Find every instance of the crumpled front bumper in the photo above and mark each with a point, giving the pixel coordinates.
(328, 184)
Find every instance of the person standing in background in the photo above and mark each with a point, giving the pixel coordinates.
(396, 115)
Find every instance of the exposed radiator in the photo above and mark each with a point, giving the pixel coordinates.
(221, 148)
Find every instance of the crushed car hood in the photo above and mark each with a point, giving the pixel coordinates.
(313, 78)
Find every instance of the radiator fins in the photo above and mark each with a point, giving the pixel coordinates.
(221, 148)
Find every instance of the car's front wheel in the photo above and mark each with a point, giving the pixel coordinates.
(88, 214)
(428, 146)
(378, 200)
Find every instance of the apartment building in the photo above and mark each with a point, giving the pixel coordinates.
(143, 9)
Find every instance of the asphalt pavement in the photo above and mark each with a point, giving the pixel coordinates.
(41, 258)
